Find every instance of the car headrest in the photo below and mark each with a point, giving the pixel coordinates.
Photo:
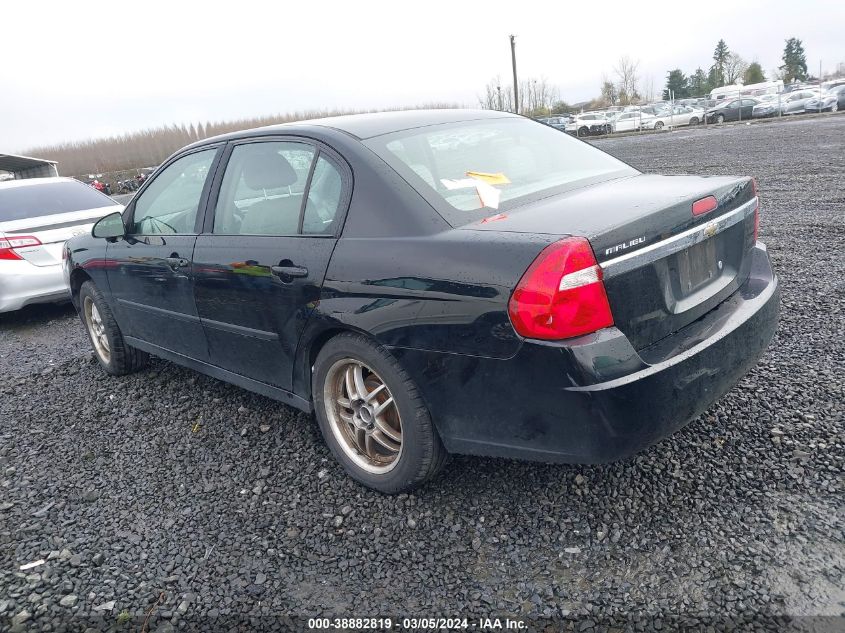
(268, 170)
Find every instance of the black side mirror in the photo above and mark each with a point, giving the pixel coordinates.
(109, 226)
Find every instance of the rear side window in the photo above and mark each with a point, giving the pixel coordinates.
(278, 188)
(262, 189)
(323, 199)
(18, 202)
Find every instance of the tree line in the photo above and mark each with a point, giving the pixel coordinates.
(149, 147)
(729, 68)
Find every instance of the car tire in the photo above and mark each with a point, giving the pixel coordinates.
(720, 118)
(693, 121)
(583, 131)
(110, 349)
(834, 106)
(372, 416)
(658, 125)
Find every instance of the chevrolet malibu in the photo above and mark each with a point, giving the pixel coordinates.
(436, 282)
(37, 216)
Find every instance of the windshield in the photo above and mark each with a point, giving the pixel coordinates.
(35, 200)
(468, 170)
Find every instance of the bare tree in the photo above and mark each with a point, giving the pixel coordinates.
(609, 93)
(536, 96)
(735, 68)
(627, 80)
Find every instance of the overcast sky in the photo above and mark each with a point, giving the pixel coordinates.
(73, 70)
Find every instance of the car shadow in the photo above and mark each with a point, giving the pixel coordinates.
(35, 315)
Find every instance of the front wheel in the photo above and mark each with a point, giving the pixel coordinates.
(112, 352)
(720, 118)
(583, 131)
(693, 121)
(372, 417)
(658, 125)
(834, 106)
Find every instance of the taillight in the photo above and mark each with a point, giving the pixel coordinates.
(756, 209)
(561, 295)
(8, 245)
(705, 205)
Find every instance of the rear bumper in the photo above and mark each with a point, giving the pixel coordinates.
(595, 399)
(22, 283)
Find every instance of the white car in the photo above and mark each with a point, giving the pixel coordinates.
(631, 121)
(676, 117)
(588, 123)
(37, 216)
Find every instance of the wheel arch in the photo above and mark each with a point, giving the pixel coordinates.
(77, 277)
(312, 341)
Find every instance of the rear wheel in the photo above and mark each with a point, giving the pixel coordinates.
(112, 352)
(372, 416)
(834, 106)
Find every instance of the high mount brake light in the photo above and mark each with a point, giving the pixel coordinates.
(705, 205)
(9, 243)
(562, 294)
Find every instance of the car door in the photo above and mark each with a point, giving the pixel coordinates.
(748, 108)
(261, 260)
(150, 271)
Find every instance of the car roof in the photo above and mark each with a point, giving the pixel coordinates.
(28, 182)
(364, 126)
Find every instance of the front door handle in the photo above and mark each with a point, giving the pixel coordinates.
(289, 271)
(176, 262)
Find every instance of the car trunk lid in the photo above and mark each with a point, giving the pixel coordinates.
(52, 231)
(663, 266)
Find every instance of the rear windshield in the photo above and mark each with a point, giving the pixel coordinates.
(32, 201)
(472, 169)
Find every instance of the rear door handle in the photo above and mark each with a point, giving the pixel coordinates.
(176, 262)
(289, 271)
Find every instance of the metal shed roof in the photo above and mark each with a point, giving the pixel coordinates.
(28, 167)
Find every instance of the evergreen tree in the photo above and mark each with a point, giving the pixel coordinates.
(698, 83)
(676, 82)
(720, 59)
(753, 74)
(794, 61)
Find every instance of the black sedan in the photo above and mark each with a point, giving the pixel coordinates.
(733, 110)
(436, 282)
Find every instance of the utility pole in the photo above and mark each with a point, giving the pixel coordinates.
(515, 84)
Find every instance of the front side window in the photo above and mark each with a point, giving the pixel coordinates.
(469, 168)
(170, 203)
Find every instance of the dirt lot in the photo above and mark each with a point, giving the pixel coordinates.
(173, 494)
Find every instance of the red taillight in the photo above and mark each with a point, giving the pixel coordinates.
(705, 205)
(561, 295)
(9, 243)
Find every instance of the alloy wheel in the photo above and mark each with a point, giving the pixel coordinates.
(834, 106)
(97, 329)
(363, 415)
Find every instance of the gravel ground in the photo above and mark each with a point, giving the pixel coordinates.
(177, 495)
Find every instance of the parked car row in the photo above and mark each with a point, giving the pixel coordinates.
(663, 114)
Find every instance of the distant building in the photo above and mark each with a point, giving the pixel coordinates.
(19, 167)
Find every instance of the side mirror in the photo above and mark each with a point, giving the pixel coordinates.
(109, 226)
